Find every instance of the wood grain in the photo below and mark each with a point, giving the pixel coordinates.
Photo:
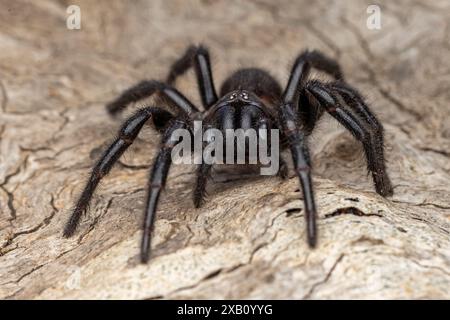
(248, 241)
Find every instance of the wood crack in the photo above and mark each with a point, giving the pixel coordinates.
(351, 210)
(324, 280)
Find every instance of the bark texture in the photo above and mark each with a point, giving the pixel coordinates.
(248, 241)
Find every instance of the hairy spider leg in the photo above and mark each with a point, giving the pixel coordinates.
(366, 128)
(145, 89)
(376, 166)
(301, 70)
(157, 181)
(127, 134)
(302, 165)
(322, 63)
(197, 57)
(294, 91)
(291, 115)
(300, 106)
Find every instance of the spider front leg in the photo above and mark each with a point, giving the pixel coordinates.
(157, 181)
(126, 136)
(199, 58)
(302, 165)
(364, 126)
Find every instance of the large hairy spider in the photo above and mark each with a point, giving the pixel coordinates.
(249, 98)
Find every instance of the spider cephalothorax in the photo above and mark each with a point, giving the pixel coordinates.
(250, 98)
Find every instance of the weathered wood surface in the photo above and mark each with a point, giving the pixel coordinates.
(248, 240)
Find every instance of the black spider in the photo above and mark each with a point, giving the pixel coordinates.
(248, 98)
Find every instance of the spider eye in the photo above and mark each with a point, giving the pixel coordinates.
(244, 95)
(233, 96)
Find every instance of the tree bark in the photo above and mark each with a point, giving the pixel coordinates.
(248, 240)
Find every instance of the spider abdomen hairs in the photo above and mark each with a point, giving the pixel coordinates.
(249, 98)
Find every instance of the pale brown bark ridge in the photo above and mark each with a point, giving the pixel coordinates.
(248, 241)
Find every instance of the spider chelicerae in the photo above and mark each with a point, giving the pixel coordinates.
(249, 98)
